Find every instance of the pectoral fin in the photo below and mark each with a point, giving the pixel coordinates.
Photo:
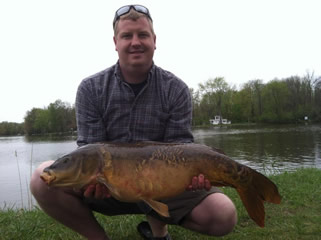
(100, 178)
(160, 208)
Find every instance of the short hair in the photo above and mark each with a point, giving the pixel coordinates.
(133, 15)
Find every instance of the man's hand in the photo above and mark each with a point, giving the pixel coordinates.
(199, 183)
(97, 191)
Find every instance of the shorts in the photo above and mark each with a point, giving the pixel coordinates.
(179, 207)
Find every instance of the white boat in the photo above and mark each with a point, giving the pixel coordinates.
(218, 119)
(225, 121)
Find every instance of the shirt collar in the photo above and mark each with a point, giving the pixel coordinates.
(119, 76)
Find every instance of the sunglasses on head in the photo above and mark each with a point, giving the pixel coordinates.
(125, 9)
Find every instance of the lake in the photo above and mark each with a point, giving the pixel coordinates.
(270, 149)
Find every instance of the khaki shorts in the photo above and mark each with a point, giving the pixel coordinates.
(179, 206)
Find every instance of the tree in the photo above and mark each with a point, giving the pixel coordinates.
(216, 94)
(197, 113)
(316, 113)
(11, 129)
(275, 102)
(57, 117)
(294, 90)
(30, 121)
(251, 100)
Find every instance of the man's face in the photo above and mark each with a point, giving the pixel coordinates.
(135, 43)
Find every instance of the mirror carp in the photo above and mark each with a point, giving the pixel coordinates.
(151, 171)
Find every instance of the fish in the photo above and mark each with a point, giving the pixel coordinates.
(153, 171)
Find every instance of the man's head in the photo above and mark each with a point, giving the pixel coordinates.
(134, 37)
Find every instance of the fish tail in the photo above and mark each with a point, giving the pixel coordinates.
(253, 196)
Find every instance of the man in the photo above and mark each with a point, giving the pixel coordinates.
(135, 100)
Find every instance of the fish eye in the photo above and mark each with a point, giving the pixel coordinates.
(66, 160)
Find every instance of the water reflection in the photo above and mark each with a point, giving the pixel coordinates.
(267, 148)
(54, 137)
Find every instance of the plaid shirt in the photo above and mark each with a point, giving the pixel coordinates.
(108, 110)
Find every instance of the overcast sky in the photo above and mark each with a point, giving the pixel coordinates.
(48, 47)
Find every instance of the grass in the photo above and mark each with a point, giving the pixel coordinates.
(297, 217)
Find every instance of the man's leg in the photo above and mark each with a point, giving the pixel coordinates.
(215, 215)
(65, 206)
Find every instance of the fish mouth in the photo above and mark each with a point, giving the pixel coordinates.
(47, 177)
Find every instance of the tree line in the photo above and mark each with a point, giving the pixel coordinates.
(58, 117)
(286, 100)
(11, 129)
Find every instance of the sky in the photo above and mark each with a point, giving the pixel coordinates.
(48, 46)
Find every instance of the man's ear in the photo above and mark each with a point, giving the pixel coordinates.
(155, 40)
(115, 42)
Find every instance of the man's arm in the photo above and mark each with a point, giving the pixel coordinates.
(178, 127)
(90, 129)
(90, 126)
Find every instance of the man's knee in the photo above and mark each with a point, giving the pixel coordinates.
(224, 215)
(215, 215)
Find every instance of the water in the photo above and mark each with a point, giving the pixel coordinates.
(268, 149)
(18, 158)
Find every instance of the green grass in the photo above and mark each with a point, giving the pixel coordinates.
(297, 217)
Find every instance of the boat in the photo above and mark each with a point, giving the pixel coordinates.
(219, 120)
